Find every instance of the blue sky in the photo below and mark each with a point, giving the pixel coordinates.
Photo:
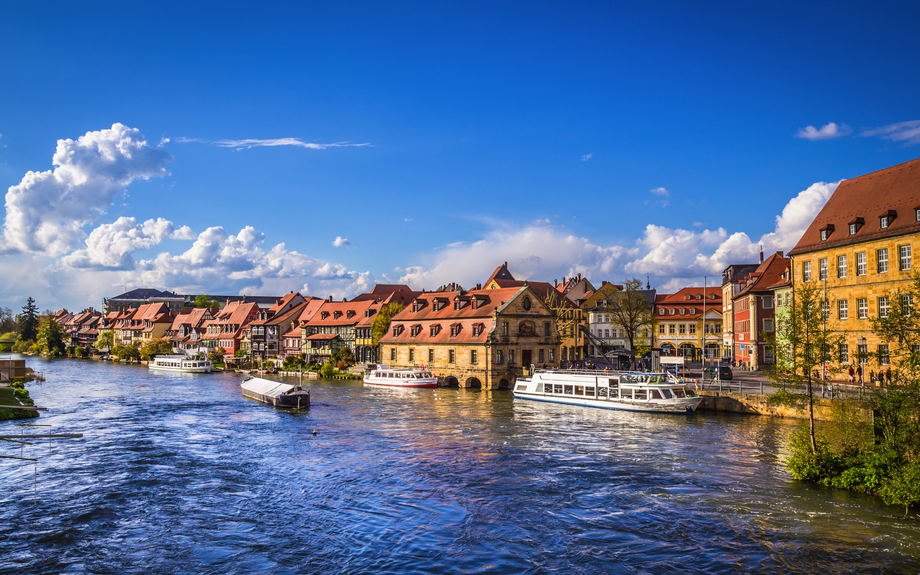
(233, 148)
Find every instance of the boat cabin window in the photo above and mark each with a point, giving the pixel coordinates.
(579, 390)
(567, 389)
(601, 392)
(613, 383)
(589, 391)
(640, 394)
(655, 394)
(539, 388)
(667, 394)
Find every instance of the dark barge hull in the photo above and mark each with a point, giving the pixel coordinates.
(275, 393)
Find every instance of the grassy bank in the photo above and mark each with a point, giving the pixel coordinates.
(8, 396)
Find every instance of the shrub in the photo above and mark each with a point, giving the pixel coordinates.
(903, 487)
(820, 466)
(327, 370)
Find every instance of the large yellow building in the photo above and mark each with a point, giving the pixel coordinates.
(859, 251)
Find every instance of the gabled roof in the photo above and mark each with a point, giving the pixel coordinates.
(894, 191)
(767, 274)
(500, 273)
(336, 313)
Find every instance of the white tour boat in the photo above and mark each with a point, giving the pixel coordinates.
(181, 363)
(382, 375)
(648, 392)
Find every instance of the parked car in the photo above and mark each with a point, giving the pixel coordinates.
(723, 372)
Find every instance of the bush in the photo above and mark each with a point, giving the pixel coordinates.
(327, 370)
(903, 487)
(821, 466)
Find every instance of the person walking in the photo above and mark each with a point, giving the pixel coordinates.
(852, 373)
(888, 376)
(859, 374)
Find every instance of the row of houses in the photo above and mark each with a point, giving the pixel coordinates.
(859, 249)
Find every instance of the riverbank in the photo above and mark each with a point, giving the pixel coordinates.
(752, 404)
(8, 398)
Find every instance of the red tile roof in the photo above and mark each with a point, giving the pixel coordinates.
(894, 191)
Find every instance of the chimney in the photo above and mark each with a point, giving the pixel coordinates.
(780, 254)
(761, 255)
(330, 299)
(555, 283)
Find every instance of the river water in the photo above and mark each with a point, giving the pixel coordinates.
(180, 474)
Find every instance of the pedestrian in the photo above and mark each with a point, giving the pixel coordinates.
(859, 374)
(852, 373)
(872, 377)
(888, 376)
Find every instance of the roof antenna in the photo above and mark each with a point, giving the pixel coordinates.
(648, 284)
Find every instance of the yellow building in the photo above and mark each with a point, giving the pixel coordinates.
(689, 323)
(859, 251)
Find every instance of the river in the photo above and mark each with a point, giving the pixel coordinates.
(179, 473)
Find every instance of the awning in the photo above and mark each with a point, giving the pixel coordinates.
(322, 336)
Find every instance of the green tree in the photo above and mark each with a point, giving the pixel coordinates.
(205, 301)
(126, 352)
(631, 310)
(7, 321)
(51, 338)
(382, 322)
(155, 347)
(28, 321)
(327, 371)
(105, 340)
(808, 339)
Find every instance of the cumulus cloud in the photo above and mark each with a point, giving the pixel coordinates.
(826, 132)
(587, 157)
(661, 192)
(907, 132)
(272, 142)
(341, 242)
(46, 211)
(110, 246)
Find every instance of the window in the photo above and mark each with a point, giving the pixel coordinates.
(844, 353)
(768, 302)
(825, 309)
(883, 354)
(884, 222)
(861, 264)
(882, 260)
(499, 356)
(907, 305)
(546, 329)
(552, 354)
(823, 235)
(806, 271)
(691, 329)
(411, 354)
(511, 356)
(768, 325)
(504, 328)
(661, 329)
(842, 311)
(672, 329)
(682, 329)
(474, 356)
(822, 269)
(862, 308)
(540, 356)
(853, 229)
(430, 355)
(451, 356)
(392, 354)
(842, 266)
(863, 351)
(917, 213)
(455, 330)
(904, 259)
(476, 329)
(768, 353)
(883, 307)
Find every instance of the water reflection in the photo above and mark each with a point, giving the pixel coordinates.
(182, 474)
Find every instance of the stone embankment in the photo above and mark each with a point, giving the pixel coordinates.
(757, 405)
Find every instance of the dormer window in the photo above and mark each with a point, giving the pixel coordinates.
(917, 214)
(661, 311)
(682, 311)
(435, 329)
(397, 330)
(855, 225)
(477, 329)
(885, 220)
(688, 297)
(672, 311)
(336, 315)
(368, 312)
(324, 315)
(416, 329)
(455, 330)
(349, 314)
(826, 232)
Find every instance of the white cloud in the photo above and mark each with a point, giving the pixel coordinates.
(587, 157)
(110, 245)
(907, 132)
(46, 211)
(661, 192)
(826, 132)
(272, 142)
(341, 242)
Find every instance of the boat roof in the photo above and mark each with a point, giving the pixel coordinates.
(266, 386)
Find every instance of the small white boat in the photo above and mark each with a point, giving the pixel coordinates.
(646, 392)
(276, 393)
(382, 375)
(181, 363)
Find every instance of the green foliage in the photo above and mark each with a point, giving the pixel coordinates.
(126, 352)
(382, 322)
(217, 356)
(51, 338)
(240, 353)
(294, 361)
(786, 398)
(809, 464)
(903, 487)
(105, 340)
(205, 301)
(28, 321)
(155, 347)
(344, 356)
(327, 370)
